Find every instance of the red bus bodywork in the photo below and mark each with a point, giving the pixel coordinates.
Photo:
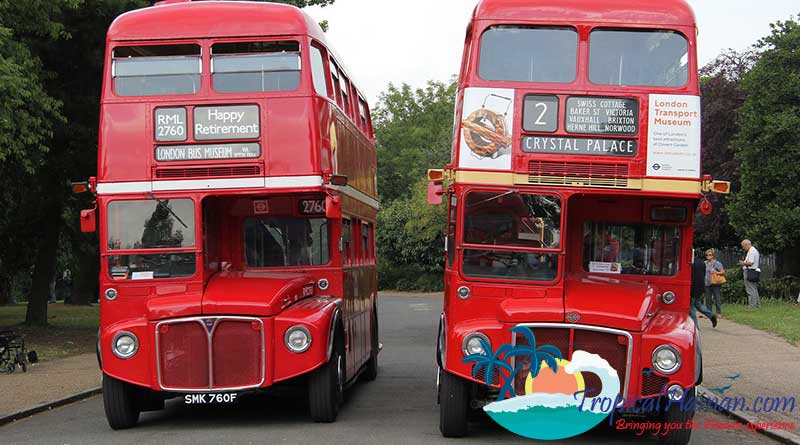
(221, 328)
(621, 316)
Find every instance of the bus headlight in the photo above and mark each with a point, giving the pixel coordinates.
(668, 297)
(297, 339)
(666, 359)
(125, 345)
(472, 344)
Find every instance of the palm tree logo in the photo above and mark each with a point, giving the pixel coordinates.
(525, 354)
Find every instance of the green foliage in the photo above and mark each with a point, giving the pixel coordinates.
(722, 95)
(413, 130)
(767, 208)
(410, 240)
(778, 317)
(784, 288)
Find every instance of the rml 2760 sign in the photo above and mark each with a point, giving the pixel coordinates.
(210, 123)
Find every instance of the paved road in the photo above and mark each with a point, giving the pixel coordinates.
(399, 408)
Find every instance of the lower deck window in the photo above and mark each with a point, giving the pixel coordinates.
(530, 266)
(151, 266)
(286, 242)
(631, 248)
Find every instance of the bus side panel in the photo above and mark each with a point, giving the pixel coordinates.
(291, 140)
(125, 151)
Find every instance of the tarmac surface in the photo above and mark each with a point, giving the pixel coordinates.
(398, 408)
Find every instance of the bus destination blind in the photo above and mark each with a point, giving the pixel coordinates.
(202, 152)
(602, 115)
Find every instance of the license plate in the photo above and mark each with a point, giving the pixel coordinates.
(207, 399)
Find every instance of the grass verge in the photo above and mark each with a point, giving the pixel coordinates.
(778, 317)
(71, 330)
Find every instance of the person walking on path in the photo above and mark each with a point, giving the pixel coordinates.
(698, 289)
(715, 278)
(750, 268)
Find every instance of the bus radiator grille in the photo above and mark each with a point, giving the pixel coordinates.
(211, 353)
(237, 354)
(183, 356)
(610, 346)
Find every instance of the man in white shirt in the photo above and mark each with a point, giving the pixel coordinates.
(751, 262)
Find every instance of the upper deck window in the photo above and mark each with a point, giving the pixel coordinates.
(638, 58)
(255, 66)
(155, 70)
(318, 72)
(529, 54)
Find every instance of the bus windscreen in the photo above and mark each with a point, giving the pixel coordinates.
(529, 54)
(255, 66)
(638, 58)
(156, 70)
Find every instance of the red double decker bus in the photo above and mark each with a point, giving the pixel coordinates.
(574, 181)
(236, 201)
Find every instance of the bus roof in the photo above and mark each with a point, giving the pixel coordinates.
(187, 19)
(645, 12)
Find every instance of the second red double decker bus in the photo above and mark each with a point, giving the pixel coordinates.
(574, 180)
(236, 202)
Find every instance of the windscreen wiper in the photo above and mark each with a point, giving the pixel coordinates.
(164, 206)
(492, 198)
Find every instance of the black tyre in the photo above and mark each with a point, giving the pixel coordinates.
(119, 401)
(453, 405)
(371, 368)
(326, 386)
(674, 415)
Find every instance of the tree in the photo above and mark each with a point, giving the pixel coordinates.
(413, 132)
(28, 114)
(767, 208)
(722, 98)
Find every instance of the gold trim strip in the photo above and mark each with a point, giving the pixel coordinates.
(511, 179)
(671, 185)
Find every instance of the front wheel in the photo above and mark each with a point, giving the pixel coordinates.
(326, 387)
(119, 402)
(453, 405)
(679, 420)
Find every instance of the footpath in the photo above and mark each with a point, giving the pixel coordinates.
(740, 361)
(47, 383)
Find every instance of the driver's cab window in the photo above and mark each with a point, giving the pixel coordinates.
(286, 242)
(631, 248)
(511, 235)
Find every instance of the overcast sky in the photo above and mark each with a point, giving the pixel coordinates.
(412, 41)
